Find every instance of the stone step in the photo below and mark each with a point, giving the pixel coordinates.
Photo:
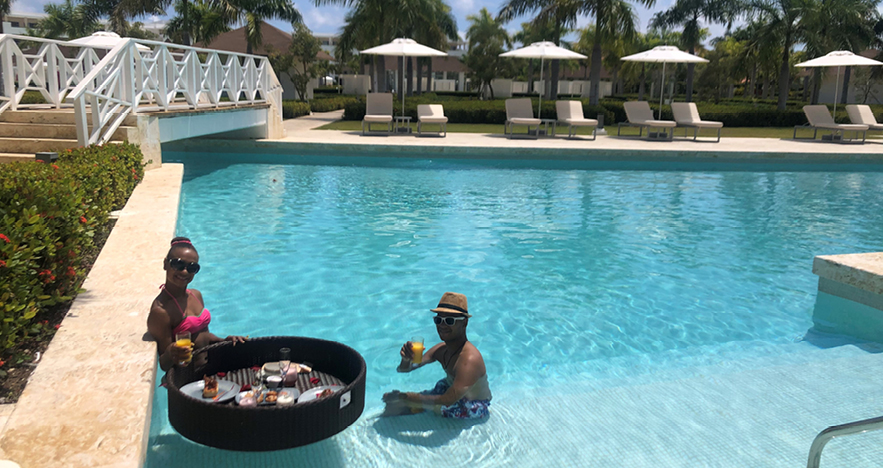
(35, 130)
(35, 145)
(16, 157)
(38, 130)
(50, 116)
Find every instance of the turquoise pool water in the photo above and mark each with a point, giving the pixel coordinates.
(576, 275)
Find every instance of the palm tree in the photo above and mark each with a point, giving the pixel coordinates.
(487, 40)
(67, 20)
(838, 25)
(5, 8)
(686, 14)
(782, 19)
(203, 23)
(556, 17)
(615, 47)
(373, 22)
(252, 13)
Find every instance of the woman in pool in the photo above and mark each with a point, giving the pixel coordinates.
(177, 309)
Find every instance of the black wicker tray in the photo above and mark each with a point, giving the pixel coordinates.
(263, 428)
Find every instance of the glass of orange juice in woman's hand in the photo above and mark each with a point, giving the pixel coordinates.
(417, 349)
(183, 340)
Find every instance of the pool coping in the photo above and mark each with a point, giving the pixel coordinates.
(63, 417)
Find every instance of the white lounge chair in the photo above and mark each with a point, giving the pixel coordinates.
(639, 115)
(378, 109)
(432, 114)
(820, 119)
(570, 113)
(863, 115)
(687, 116)
(519, 112)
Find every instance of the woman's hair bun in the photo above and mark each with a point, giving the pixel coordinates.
(181, 240)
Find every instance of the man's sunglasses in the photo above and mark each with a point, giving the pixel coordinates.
(449, 321)
(181, 265)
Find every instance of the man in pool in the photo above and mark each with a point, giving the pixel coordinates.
(464, 392)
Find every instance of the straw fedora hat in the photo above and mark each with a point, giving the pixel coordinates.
(452, 303)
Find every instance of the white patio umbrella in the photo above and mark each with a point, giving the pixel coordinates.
(104, 40)
(404, 47)
(839, 58)
(543, 50)
(663, 54)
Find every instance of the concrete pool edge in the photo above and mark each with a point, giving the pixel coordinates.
(850, 294)
(677, 153)
(88, 403)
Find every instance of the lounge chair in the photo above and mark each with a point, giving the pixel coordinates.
(432, 114)
(378, 109)
(862, 115)
(687, 116)
(519, 112)
(570, 113)
(820, 119)
(639, 115)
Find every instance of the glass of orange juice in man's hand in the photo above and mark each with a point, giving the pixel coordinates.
(417, 349)
(183, 340)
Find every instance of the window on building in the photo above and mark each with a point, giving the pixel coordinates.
(14, 24)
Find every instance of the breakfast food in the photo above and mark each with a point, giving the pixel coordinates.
(210, 390)
(325, 393)
(271, 397)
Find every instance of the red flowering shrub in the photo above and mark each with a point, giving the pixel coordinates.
(48, 218)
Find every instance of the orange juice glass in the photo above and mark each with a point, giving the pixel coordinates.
(183, 340)
(417, 349)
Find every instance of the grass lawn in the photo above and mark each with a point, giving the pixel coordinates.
(747, 132)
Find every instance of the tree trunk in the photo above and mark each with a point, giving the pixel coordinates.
(816, 85)
(641, 81)
(529, 76)
(419, 76)
(615, 84)
(784, 73)
(690, 68)
(844, 88)
(381, 74)
(594, 89)
(429, 76)
(374, 86)
(400, 83)
(765, 93)
(553, 86)
(186, 37)
(806, 88)
(751, 86)
(361, 65)
(585, 69)
(410, 77)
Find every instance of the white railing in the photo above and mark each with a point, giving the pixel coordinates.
(134, 76)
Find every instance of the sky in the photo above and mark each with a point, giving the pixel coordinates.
(330, 19)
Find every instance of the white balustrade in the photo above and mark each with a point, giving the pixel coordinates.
(136, 75)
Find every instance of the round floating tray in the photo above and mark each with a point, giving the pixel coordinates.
(262, 428)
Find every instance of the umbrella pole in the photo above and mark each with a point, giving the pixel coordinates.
(661, 93)
(403, 87)
(542, 88)
(836, 89)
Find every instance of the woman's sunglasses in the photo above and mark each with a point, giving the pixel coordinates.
(181, 265)
(449, 321)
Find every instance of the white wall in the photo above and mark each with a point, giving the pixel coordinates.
(356, 84)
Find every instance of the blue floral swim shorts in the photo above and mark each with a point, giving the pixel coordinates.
(463, 409)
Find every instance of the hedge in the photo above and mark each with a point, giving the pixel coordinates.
(48, 217)
(292, 109)
(328, 104)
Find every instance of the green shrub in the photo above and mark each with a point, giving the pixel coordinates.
(292, 109)
(48, 217)
(32, 97)
(328, 104)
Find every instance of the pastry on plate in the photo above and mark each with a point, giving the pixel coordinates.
(210, 390)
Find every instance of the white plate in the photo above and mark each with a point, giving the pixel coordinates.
(295, 393)
(226, 390)
(314, 392)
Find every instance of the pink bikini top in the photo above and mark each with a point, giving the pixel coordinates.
(192, 324)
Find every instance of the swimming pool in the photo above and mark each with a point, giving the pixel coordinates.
(591, 288)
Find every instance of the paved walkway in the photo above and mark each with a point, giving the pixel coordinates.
(304, 130)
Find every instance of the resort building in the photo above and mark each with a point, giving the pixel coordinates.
(18, 23)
